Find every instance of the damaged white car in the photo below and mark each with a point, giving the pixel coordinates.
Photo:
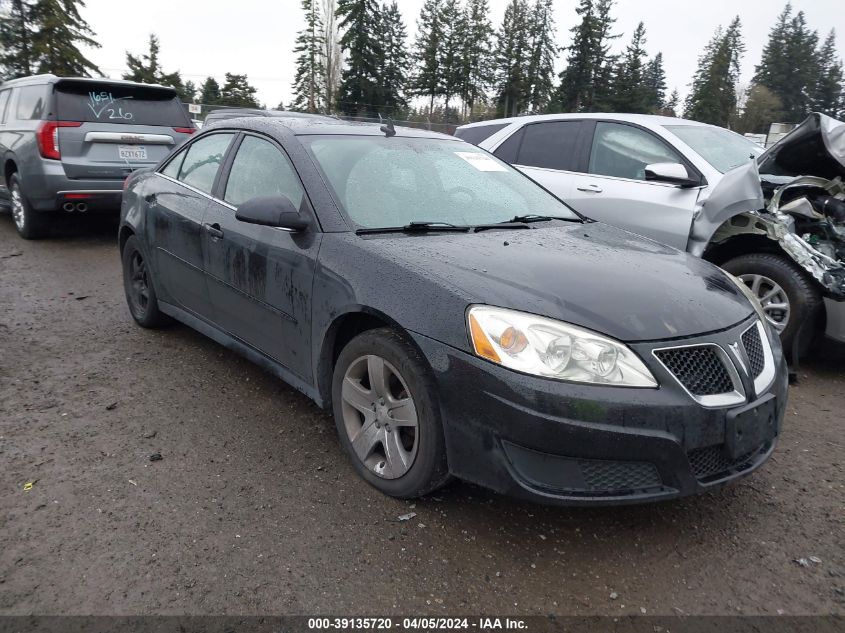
(776, 219)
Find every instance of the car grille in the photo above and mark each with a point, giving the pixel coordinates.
(698, 368)
(713, 462)
(608, 476)
(754, 350)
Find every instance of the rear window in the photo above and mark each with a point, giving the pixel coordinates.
(127, 105)
(479, 133)
(32, 103)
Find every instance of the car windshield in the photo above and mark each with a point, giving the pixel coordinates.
(386, 182)
(723, 149)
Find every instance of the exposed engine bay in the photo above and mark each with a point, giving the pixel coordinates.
(801, 178)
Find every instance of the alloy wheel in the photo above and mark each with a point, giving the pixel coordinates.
(17, 208)
(139, 283)
(772, 297)
(380, 416)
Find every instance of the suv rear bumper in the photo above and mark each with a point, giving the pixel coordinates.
(49, 190)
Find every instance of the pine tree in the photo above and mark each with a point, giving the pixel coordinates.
(789, 66)
(451, 46)
(16, 33)
(512, 46)
(393, 77)
(655, 84)
(543, 51)
(60, 31)
(145, 68)
(475, 55)
(588, 58)
(713, 97)
(310, 78)
(190, 92)
(670, 108)
(631, 94)
(210, 92)
(237, 91)
(358, 92)
(760, 110)
(828, 94)
(426, 81)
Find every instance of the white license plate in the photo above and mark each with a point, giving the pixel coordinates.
(132, 152)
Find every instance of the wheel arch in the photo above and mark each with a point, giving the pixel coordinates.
(742, 244)
(10, 166)
(343, 328)
(123, 235)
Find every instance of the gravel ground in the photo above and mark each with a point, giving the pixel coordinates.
(253, 508)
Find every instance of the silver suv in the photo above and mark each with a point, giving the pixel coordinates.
(775, 219)
(67, 144)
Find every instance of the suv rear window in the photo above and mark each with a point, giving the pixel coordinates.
(113, 103)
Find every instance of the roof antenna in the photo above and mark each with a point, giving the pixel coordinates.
(387, 128)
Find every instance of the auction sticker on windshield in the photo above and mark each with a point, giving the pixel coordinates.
(132, 152)
(482, 162)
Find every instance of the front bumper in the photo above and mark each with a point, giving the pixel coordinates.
(572, 444)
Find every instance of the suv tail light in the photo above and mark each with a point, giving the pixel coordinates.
(48, 137)
(185, 130)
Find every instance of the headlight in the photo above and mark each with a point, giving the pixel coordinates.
(544, 347)
(752, 298)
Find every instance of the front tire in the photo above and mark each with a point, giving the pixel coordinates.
(791, 299)
(29, 224)
(387, 415)
(139, 287)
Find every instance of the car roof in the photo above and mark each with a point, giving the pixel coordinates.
(317, 125)
(54, 79)
(643, 119)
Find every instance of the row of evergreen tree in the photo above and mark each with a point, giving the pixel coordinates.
(460, 67)
(45, 36)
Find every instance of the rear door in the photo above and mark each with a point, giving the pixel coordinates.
(112, 129)
(550, 152)
(614, 189)
(260, 277)
(176, 211)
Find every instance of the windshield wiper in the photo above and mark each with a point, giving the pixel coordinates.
(522, 221)
(416, 227)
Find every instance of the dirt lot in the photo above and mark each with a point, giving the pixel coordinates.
(253, 508)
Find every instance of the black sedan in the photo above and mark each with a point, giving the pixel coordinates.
(457, 318)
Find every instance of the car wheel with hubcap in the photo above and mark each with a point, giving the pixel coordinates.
(139, 287)
(29, 224)
(791, 300)
(387, 416)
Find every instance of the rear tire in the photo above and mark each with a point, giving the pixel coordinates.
(803, 297)
(139, 287)
(30, 225)
(375, 417)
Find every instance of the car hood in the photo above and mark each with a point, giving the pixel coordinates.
(815, 148)
(592, 275)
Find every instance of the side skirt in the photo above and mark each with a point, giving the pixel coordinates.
(241, 348)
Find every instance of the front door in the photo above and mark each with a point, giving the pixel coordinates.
(615, 190)
(260, 278)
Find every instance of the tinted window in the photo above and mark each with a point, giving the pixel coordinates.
(203, 159)
(508, 150)
(32, 103)
(4, 99)
(113, 103)
(552, 145)
(260, 169)
(624, 151)
(475, 135)
(384, 182)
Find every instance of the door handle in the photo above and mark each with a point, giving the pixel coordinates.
(213, 230)
(590, 188)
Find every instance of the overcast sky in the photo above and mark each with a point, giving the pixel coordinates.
(256, 37)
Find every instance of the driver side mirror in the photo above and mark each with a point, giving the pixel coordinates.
(276, 211)
(674, 173)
